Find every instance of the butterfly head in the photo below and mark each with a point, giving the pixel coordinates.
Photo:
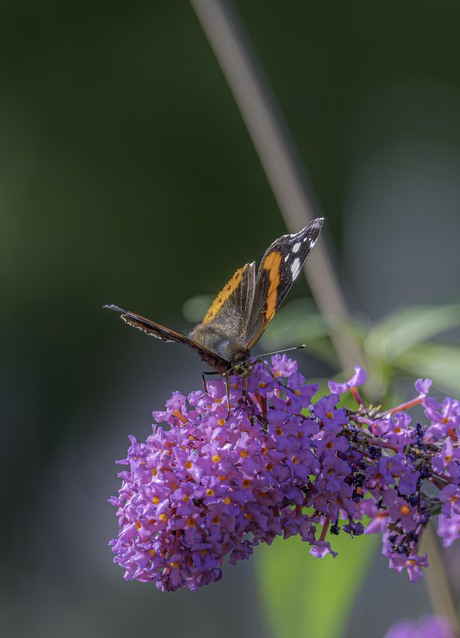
(242, 366)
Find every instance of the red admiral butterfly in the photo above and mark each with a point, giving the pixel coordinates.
(243, 309)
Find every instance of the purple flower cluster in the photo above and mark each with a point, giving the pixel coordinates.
(223, 478)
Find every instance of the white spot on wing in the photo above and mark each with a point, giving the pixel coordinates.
(296, 247)
(295, 268)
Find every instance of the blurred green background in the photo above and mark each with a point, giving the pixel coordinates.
(127, 177)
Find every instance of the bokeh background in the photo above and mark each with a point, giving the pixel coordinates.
(127, 176)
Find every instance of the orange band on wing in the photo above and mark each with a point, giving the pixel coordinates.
(272, 264)
(224, 294)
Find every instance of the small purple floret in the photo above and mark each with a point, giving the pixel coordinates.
(359, 378)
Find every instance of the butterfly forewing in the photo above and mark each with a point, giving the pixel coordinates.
(280, 266)
(166, 334)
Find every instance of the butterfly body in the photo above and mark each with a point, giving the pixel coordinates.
(234, 354)
(243, 309)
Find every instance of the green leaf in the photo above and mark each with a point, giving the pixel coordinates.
(409, 326)
(306, 596)
(438, 361)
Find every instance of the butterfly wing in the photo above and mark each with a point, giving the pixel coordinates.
(228, 314)
(244, 307)
(279, 267)
(166, 334)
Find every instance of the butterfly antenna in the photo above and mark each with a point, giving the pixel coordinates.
(268, 354)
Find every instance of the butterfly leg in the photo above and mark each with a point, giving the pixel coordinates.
(203, 378)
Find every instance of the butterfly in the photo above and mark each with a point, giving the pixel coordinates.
(242, 310)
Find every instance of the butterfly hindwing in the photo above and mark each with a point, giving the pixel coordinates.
(280, 266)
